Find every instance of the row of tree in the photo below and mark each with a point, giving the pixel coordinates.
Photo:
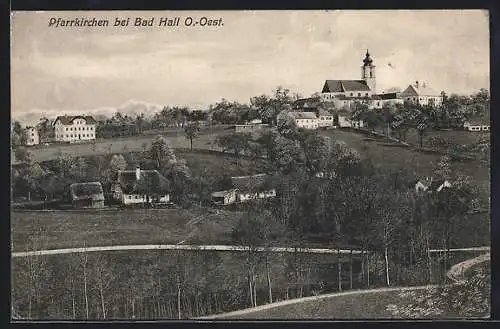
(398, 119)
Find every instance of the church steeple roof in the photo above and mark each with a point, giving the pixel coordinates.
(368, 60)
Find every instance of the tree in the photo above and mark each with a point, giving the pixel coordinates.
(315, 149)
(45, 129)
(117, 163)
(63, 165)
(257, 229)
(192, 131)
(161, 153)
(237, 143)
(269, 107)
(79, 168)
(390, 211)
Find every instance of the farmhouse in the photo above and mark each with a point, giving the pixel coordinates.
(325, 118)
(429, 185)
(87, 195)
(306, 120)
(421, 94)
(477, 125)
(438, 185)
(253, 187)
(140, 187)
(74, 128)
(346, 122)
(224, 197)
(245, 188)
(32, 136)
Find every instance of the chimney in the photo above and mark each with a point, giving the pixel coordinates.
(137, 173)
(416, 83)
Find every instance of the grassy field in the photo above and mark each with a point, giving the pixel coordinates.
(368, 305)
(219, 164)
(65, 229)
(123, 144)
(420, 164)
(457, 136)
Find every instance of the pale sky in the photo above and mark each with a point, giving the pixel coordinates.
(78, 69)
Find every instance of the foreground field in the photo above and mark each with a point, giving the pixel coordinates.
(65, 229)
(367, 304)
(452, 301)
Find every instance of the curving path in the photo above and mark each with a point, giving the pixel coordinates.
(309, 299)
(455, 274)
(457, 271)
(183, 247)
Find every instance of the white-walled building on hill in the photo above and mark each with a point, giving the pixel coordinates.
(420, 93)
(74, 128)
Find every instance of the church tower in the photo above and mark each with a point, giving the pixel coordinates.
(368, 72)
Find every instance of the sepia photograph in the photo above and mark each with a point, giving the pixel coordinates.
(250, 165)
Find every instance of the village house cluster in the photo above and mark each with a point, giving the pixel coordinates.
(149, 187)
(340, 95)
(332, 108)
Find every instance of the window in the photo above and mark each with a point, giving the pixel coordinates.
(366, 94)
(359, 94)
(130, 197)
(136, 197)
(66, 129)
(352, 94)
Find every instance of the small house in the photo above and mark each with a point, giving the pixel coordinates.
(305, 120)
(224, 197)
(253, 187)
(325, 118)
(245, 188)
(346, 122)
(87, 195)
(476, 125)
(141, 187)
(438, 185)
(419, 186)
(429, 185)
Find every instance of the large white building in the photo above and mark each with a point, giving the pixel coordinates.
(32, 136)
(420, 93)
(74, 128)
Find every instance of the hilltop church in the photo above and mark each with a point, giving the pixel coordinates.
(345, 92)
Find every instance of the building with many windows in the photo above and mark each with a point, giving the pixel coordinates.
(74, 128)
(32, 136)
(420, 93)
